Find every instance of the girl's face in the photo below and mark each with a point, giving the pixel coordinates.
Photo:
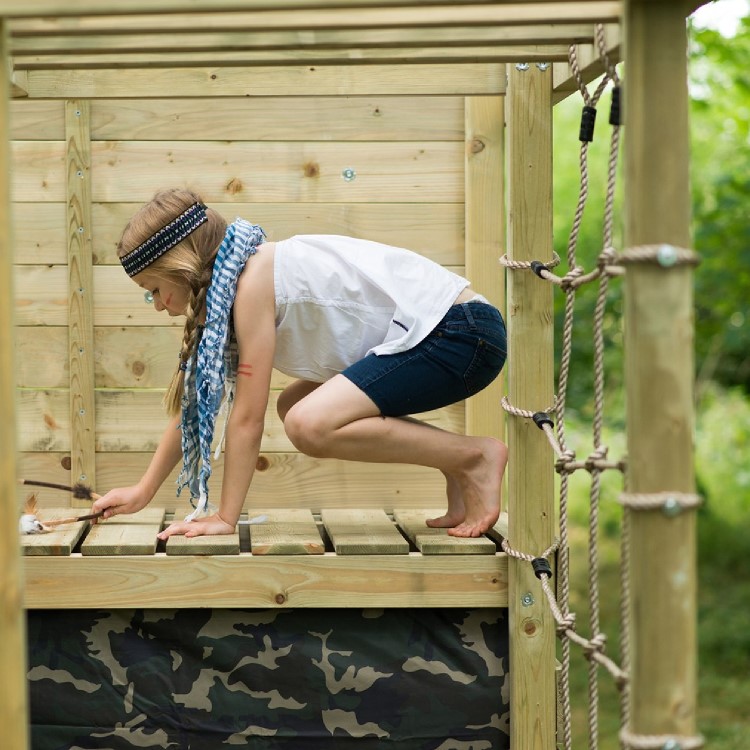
(167, 295)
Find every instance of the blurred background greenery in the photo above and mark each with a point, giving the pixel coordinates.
(719, 70)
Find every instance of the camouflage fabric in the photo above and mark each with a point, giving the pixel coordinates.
(271, 679)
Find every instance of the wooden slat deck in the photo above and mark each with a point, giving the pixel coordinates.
(337, 558)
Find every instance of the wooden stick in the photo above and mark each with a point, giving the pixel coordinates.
(80, 491)
(74, 519)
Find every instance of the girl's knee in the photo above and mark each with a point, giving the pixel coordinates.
(306, 430)
(291, 395)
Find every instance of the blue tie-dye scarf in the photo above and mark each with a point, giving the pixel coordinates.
(215, 364)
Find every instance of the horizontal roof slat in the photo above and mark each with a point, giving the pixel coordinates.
(40, 8)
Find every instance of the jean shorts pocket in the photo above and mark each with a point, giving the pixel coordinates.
(485, 366)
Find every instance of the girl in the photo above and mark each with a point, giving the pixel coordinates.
(375, 333)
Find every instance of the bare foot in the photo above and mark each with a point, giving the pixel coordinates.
(456, 512)
(480, 490)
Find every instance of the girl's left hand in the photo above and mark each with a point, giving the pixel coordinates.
(203, 526)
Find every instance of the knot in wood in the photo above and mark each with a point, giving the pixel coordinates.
(477, 145)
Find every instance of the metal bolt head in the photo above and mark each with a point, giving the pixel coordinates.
(671, 745)
(348, 174)
(671, 508)
(522, 66)
(543, 66)
(666, 256)
(527, 600)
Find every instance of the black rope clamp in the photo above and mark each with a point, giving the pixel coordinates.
(537, 267)
(541, 567)
(614, 108)
(588, 120)
(541, 418)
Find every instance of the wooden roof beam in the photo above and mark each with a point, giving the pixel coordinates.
(422, 16)
(396, 56)
(590, 64)
(211, 39)
(53, 8)
(291, 80)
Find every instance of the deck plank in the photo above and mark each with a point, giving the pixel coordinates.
(363, 532)
(437, 541)
(60, 540)
(127, 534)
(221, 544)
(291, 531)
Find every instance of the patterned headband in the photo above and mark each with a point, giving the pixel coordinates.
(165, 239)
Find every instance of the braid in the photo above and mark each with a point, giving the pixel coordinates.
(191, 335)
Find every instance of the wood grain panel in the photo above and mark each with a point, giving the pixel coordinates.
(282, 480)
(434, 229)
(289, 80)
(37, 120)
(41, 295)
(275, 171)
(38, 171)
(40, 233)
(133, 421)
(275, 119)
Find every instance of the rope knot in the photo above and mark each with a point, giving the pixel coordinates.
(567, 622)
(607, 257)
(595, 645)
(568, 282)
(563, 465)
(595, 457)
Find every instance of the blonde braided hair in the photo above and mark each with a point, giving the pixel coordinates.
(189, 264)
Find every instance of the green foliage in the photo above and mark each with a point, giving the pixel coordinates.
(720, 131)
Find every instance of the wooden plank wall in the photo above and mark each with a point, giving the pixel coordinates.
(80, 168)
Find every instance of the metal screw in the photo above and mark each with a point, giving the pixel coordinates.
(348, 174)
(666, 256)
(671, 507)
(671, 745)
(527, 600)
(522, 66)
(81, 411)
(80, 230)
(82, 477)
(79, 173)
(542, 66)
(78, 113)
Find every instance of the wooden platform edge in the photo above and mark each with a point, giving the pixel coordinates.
(315, 581)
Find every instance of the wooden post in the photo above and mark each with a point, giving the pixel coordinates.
(484, 220)
(530, 473)
(659, 371)
(13, 709)
(80, 294)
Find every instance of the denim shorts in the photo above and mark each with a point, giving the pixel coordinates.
(462, 355)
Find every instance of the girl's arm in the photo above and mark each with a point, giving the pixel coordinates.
(132, 499)
(255, 328)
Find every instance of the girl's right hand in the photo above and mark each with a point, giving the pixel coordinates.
(121, 500)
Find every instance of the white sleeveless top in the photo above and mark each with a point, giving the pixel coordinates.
(339, 299)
